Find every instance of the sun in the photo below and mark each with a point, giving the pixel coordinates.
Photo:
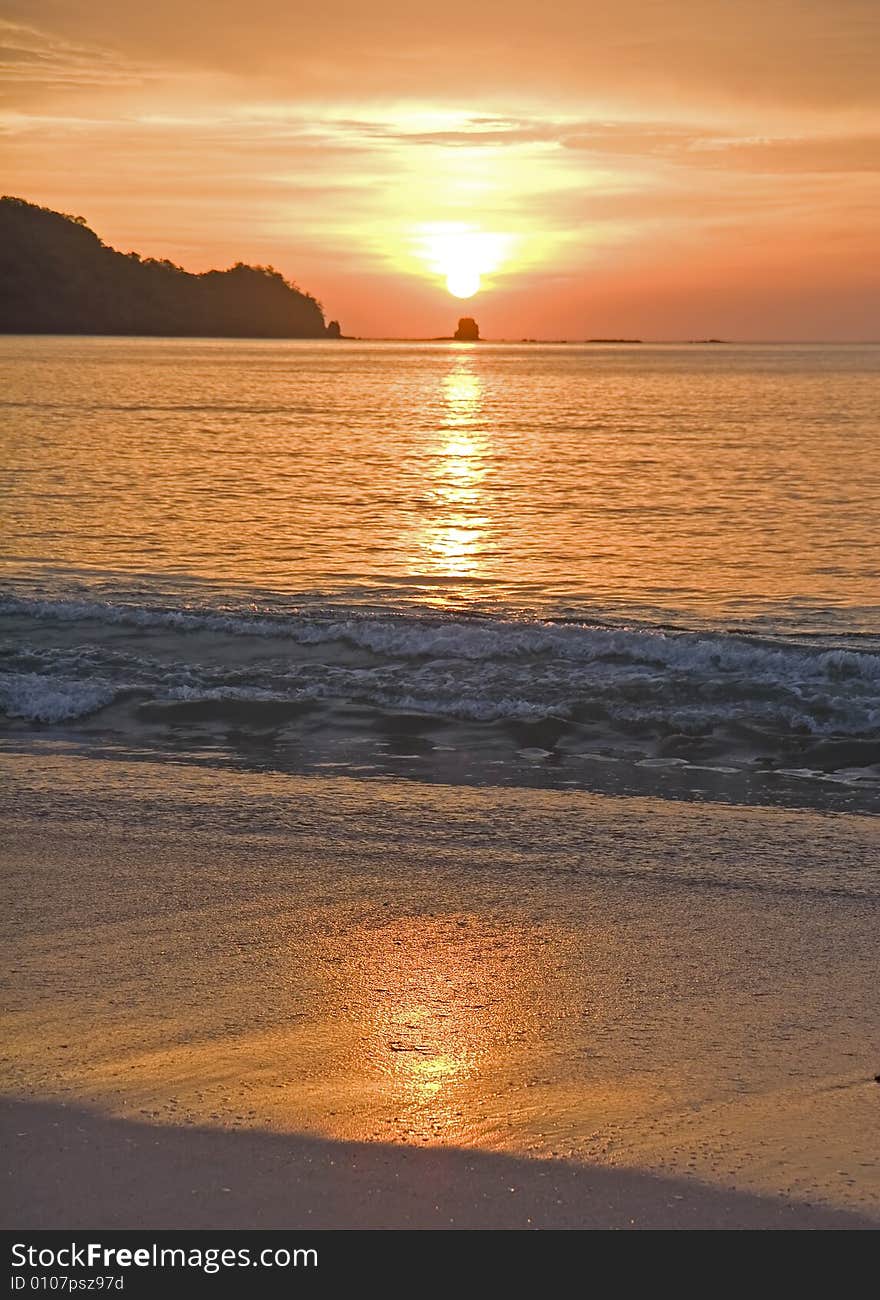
(463, 281)
(462, 254)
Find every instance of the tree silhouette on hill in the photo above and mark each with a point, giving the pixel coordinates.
(57, 277)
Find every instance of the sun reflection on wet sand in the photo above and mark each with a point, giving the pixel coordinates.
(434, 997)
(404, 1030)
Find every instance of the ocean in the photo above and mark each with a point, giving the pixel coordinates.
(439, 784)
(628, 569)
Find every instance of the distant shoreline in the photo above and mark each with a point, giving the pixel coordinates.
(446, 338)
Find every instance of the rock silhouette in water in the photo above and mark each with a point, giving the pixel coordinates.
(334, 330)
(468, 330)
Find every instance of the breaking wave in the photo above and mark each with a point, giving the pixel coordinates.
(649, 691)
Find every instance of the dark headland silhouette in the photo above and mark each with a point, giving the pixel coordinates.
(57, 277)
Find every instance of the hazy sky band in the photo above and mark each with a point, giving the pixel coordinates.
(654, 170)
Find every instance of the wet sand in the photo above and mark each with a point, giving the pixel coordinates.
(375, 1004)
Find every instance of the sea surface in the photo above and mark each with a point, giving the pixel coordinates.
(641, 569)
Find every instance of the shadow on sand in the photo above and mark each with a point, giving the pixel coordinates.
(66, 1167)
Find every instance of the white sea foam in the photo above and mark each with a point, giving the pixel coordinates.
(68, 659)
(415, 636)
(38, 698)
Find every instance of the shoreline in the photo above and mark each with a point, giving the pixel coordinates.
(216, 972)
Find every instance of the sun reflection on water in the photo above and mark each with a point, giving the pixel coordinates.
(452, 541)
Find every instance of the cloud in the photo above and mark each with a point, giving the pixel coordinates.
(688, 145)
(816, 155)
(693, 147)
(39, 58)
(819, 53)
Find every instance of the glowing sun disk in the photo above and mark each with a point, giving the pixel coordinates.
(463, 282)
(462, 255)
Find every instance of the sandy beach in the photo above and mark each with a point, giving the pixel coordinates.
(255, 999)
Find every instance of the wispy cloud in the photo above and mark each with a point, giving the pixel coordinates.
(685, 145)
(39, 58)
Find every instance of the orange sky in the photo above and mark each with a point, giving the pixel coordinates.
(645, 168)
